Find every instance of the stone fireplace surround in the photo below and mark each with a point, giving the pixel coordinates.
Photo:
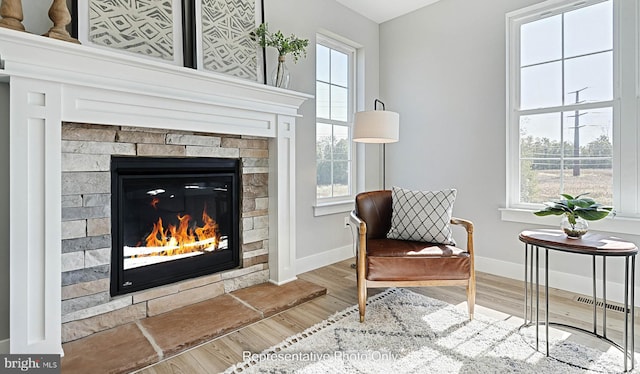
(87, 307)
(52, 82)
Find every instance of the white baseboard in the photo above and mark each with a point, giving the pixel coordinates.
(4, 346)
(498, 267)
(564, 281)
(282, 282)
(323, 259)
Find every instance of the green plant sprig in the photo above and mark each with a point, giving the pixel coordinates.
(578, 206)
(284, 45)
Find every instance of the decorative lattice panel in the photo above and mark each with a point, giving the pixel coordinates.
(143, 27)
(227, 45)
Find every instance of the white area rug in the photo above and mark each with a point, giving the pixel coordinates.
(405, 332)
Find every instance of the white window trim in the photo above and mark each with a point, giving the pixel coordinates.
(335, 207)
(341, 204)
(626, 102)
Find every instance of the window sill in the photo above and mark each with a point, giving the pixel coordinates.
(620, 225)
(334, 207)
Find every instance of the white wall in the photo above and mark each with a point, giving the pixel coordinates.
(320, 240)
(443, 68)
(4, 213)
(36, 16)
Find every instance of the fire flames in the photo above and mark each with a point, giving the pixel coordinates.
(154, 203)
(183, 238)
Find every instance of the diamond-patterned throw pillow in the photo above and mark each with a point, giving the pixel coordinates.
(422, 216)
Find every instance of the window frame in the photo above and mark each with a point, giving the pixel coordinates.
(338, 204)
(625, 103)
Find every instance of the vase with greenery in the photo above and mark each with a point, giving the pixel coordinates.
(285, 45)
(576, 211)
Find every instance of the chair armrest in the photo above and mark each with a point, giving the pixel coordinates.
(361, 226)
(468, 226)
(357, 221)
(361, 247)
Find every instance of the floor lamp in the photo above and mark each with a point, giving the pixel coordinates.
(377, 126)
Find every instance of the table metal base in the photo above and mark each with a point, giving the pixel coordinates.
(532, 292)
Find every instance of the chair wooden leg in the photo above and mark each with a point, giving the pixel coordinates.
(471, 297)
(362, 298)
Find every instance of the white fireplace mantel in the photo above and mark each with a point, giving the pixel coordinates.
(53, 81)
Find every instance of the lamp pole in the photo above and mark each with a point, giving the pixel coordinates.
(384, 149)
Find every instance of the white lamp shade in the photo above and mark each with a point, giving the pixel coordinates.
(376, 126)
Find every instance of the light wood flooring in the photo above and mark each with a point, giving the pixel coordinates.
(494, 294)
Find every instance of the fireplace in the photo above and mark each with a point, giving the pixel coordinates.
(172, 219)
(86, 85)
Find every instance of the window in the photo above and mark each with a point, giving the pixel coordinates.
(334, 116)
(564, 104)
(573, 104)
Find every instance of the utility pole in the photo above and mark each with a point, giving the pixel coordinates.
(576, 133)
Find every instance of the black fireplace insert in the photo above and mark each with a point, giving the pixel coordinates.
(172, 219)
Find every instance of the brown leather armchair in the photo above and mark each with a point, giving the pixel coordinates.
(383, 262)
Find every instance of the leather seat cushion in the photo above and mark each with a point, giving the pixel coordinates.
(389, 259)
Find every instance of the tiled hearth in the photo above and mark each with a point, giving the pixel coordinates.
(87, 306)
(135, 345)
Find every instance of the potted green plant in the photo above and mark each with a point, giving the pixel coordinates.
(576, 211)
(285, 45)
